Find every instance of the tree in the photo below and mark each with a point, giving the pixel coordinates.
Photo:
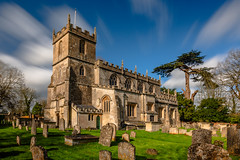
(228, 73)
(186, 63)
(11, 81)
(37, 109)
(28, 95)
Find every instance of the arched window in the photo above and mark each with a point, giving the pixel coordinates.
(81, 46)
(113, 80)
(106, 104)
(81, 71)
(140, 86)
(128, 83)
(60, 50)
(151, 89)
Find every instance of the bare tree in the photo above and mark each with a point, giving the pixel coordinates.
(28, 95)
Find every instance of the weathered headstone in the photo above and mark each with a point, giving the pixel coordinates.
(39, 153)
(17, 122)
(106, 135)
(18, 140)
(202, 136)
(165, 129)
(182, 131)
(133, 134)
(126, 137)
(74, 133)
(233, 140)
(34, 128)
(61, 124)
(19, 126)
(105, 155)
(45, 130)
(24, 123)
(205, 151)
(78, 129)
(33, 142)
(152, 152)
(218, 143)
(114, 131)
(224, 132)
(27, 129)
(13, 124)
(173, 131)
(126, 151)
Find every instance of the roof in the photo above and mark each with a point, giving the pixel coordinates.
(87, 109)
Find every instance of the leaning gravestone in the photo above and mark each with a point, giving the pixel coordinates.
(39, 153)
(202, 136)
(114, 131)
(233, 140)
(133, 134)
(33, 142)
(18, 141)
(105, 155)
(106, 135)
(126, 151)
(34, 128)
(126, 137)
(205, 151)
(62, 124)
(78, 129)
(45, 130)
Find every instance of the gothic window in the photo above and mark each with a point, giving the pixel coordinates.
(128, 83)
(106, 104)
(81, 71)
(60, 50)
(131, 109)
(152, 118)
(81, 46)
(151, 89)
(140, 86)
(113, 80)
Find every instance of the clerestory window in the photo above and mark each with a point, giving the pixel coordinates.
(128, 83)
(113, 80)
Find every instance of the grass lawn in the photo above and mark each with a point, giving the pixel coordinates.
(168, 146)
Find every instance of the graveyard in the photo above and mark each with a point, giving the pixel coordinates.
(168, 146)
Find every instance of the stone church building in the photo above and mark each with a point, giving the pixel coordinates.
(91, 93)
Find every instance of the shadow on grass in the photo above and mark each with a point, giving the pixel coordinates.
(8, 146)
(52, 149)
(12, 153)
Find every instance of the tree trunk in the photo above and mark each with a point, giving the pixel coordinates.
(187, 88)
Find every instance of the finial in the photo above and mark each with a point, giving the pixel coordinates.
(75, 18)
(146, 72)
(122, 63)
(53, 31)
(69, 19)
(136, 68)
(95, 30)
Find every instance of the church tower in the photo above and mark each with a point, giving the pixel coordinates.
(74, 55)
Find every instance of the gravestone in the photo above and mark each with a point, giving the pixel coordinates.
(39, 153)
(126, 137)
(152, 152)
(45, 130)
(13, 124)
(133, 134)
(202, 136)
(114, 131)
(78, 129)
(224, 132)
(165, 129)
(18, 140)
(27, 129)
(106, 135)
(126, 151)
(34, 128)
(62, 124)
(233, 140)
(173, 131)
(24, 123)
(74, 133)
(105, 155)
(19, 126)
(17, 122)
(205, 151)
(33, 142)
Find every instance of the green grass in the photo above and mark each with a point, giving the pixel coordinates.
(168, 146)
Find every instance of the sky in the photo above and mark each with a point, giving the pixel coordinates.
(145, 33)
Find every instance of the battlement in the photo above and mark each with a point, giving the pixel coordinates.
(77, 31)
(121, 70)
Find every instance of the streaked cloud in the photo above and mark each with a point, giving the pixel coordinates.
(104, 32)
(224, 24)
(155, 10)
(189, 33)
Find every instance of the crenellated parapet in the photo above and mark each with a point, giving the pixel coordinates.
(120, 70)
(77, 31)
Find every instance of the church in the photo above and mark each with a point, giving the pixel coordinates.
(90, 92)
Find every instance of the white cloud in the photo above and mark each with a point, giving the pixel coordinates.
(156, 11)
(177, 80)
(189, 33)
(104, 31)
(223, 24)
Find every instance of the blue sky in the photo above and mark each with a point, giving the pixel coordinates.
(146, 33)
